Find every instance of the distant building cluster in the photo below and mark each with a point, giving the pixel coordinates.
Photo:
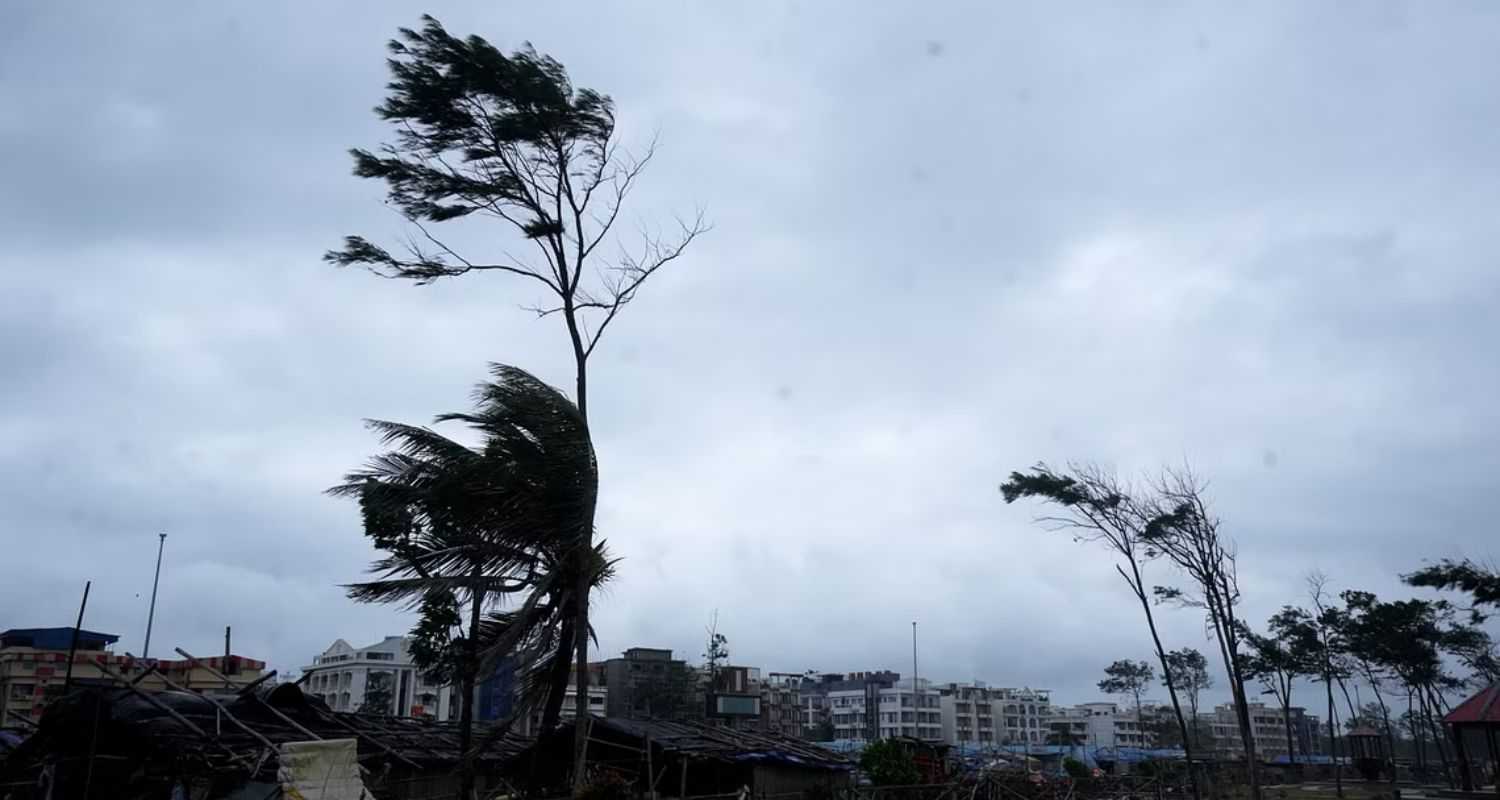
(34, 669)
(650, 683)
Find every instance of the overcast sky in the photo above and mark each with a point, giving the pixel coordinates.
(949, 241)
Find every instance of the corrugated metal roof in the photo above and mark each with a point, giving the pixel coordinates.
(698, 739)
(1482, 708)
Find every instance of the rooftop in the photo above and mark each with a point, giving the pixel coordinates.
(56, 638)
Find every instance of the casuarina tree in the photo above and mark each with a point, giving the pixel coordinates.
(1098, 508)
(1183, 529)
(1279, 659)
(482, 136)
(1190, 669)
(1130, 679)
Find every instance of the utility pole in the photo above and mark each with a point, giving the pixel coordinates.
(916, 698)
(161, 544)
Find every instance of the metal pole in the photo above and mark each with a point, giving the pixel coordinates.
(916, 699)
(73, 647)
(161, 544)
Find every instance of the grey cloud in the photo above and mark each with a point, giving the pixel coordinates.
(1255, 240)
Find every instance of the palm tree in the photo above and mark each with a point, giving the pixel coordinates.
(464, 527)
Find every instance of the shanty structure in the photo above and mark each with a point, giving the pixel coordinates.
(680, 759)
(1367, 751)
(125, 743)
(1475, 727)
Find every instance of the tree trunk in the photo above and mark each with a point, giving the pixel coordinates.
(558, 673)
(581, 589)
(1333, 742)
(1385, 718)
(1418, 740)
(1161, 656)
(1437, 735)
(1223, 624)
(1286, 718)
(466, 699)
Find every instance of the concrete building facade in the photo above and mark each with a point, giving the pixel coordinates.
(378, 678)
(647, 683)
(1269, 729)
(1021, 715)
(34, 669)
(1100, 725)
(818, 711)
(899, 710)
(968, 714)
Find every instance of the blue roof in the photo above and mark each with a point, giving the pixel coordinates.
(52, 638)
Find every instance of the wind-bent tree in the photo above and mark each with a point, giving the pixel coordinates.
(1404, 640)
(1482, 583)
(1318, 637)
(1361, 645)
(1279, 659)
(463, 527)
(1100, 509)
(1128, 679)
(1182, 528)
(1190, 669)
(482, 135)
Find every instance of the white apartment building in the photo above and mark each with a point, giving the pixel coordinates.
(1099, 725)
(1021, 715)
(899, 711)
(352, 678)
(968, 711)
(1268, 726)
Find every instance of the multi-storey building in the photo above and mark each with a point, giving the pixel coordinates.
(1021, 715)
(379, 678)
(818, 711)
(1268, 727)
(1099, 725)
(34, 669)
(968, 714)
(733, 696)
(647, 682)
(781, 703)
(900, 710)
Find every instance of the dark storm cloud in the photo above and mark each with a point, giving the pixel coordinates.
(947, 245)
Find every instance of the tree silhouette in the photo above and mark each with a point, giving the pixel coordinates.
(480, 134)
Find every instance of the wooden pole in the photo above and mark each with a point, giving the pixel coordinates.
(73, 647)
(682, 779)
(227, 715)
(372, 740)
(651, 785)
(228, 684)
(249, 687)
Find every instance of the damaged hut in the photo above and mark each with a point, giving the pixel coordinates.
(124, 743)
(680, 759)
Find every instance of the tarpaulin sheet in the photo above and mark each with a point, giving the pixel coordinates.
(326, 770)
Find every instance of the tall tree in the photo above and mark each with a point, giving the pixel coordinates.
(1482, 583)
(462, 527)
(715, 653)
(1182, 528)
(1128, 678)
(485, 135)
(1404, 639)
(1190, 669)
(1319, 638)
(1278, 659)
(1098, 508)
(1362, 643)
